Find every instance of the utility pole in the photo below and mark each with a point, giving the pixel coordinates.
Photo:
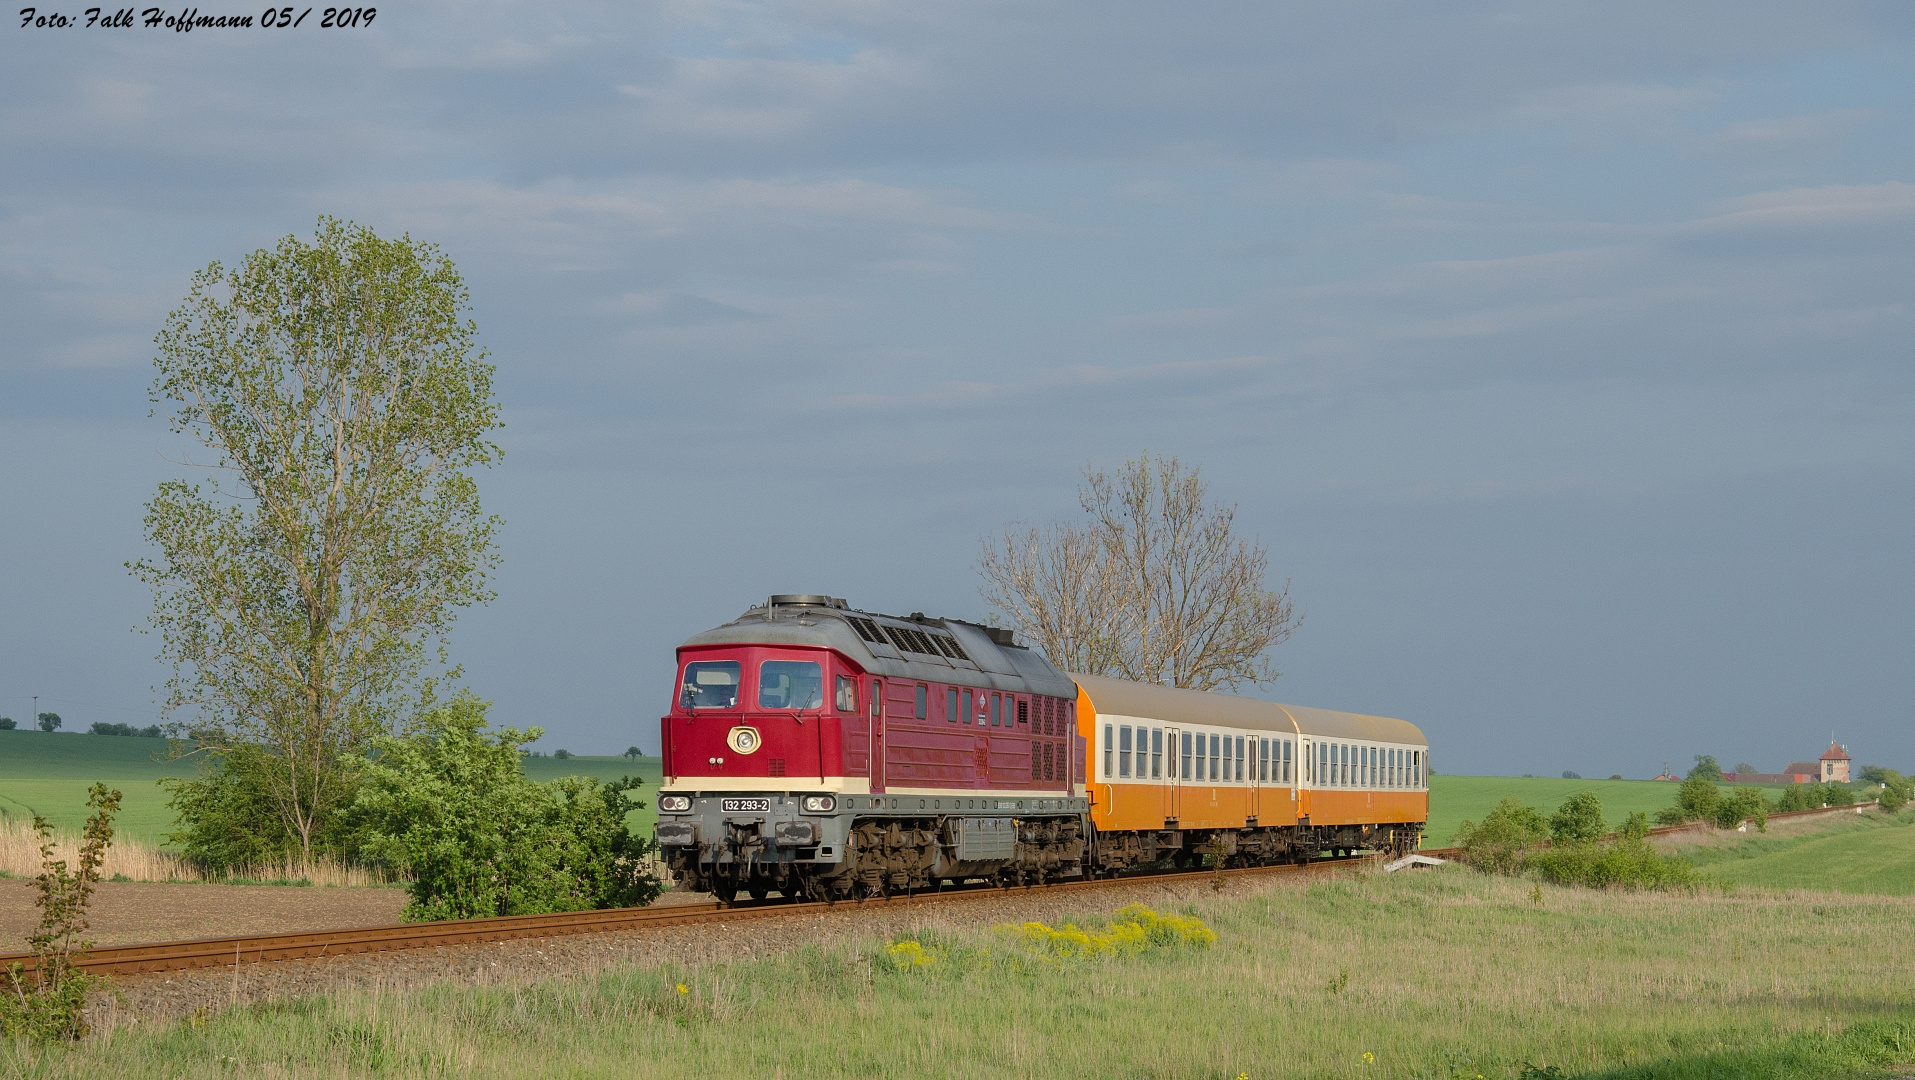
(36, 711)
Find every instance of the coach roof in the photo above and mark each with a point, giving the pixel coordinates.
(1171, 705)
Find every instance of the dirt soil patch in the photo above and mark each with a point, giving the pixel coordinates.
(128, 912)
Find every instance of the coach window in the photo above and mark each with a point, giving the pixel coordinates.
(1216, 754)
(1226, 759)
(1287, 778)
(1143, 753)
(950, 705)
(1110, 743)
(1156, 753)
(1239, 759)
(1416, 766)
(965, 709)
(1263, 759)
(1184, 772)
(1123, 751)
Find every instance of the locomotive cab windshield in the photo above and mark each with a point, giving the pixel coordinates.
(710, 684)
(791, 684)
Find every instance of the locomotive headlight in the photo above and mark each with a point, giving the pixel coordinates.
(820, 804)
(674, 804)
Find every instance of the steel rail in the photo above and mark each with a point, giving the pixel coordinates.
(315, 944)
(308, 945)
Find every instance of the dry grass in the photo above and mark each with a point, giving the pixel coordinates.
(133, 860)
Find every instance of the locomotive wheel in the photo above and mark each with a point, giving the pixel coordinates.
(758, 892)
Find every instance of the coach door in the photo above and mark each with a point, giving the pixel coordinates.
(1171, 783)
(1253, 749)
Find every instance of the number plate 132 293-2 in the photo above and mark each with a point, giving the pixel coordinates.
(746, 806)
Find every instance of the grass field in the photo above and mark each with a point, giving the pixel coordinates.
(1870, 853)
(1455, 799)
(48, 773)
(1439, 973)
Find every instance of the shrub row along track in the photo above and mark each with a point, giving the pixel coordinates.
(1695, 826)
(259, 948)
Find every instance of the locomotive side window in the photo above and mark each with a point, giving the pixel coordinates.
(997, 710)
(847, 694)
(965, 710)
(791, 684)
(950, 705)
(1156, 753)
(877, 699)
(710, 684)
(924, 694)
(1123, 750)
(1110, 743)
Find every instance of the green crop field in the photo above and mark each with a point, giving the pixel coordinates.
(1870, 853)
(1455, 799)
(1427, 974)
(48, 773)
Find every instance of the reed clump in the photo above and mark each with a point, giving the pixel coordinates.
(132, 860)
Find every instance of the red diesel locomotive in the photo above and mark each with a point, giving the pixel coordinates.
(817, 750)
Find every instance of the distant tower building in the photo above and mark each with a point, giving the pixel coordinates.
(1835, 764)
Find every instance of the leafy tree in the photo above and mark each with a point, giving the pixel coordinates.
(1743, 768)
(1875, 774)
(1698, 799)
(1156, 586)
(452, 807)
(1568, 775)
(1896, 790)
(1505, 838)
(1743, 804)
(633, 752)
(49, 721)
(562, 754)
(51, 1004)
(1706, 769)
(299, 591)
(6, 723)
(150, 731)
(1634, 827)
(227, 819)
(1578, 820)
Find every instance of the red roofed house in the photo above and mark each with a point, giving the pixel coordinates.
(1835, 764)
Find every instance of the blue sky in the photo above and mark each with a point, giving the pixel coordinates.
(1559, 355)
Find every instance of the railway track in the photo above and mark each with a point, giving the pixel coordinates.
(262, 948)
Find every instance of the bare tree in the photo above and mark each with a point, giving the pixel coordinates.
(1154, 587)
(338, 390)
